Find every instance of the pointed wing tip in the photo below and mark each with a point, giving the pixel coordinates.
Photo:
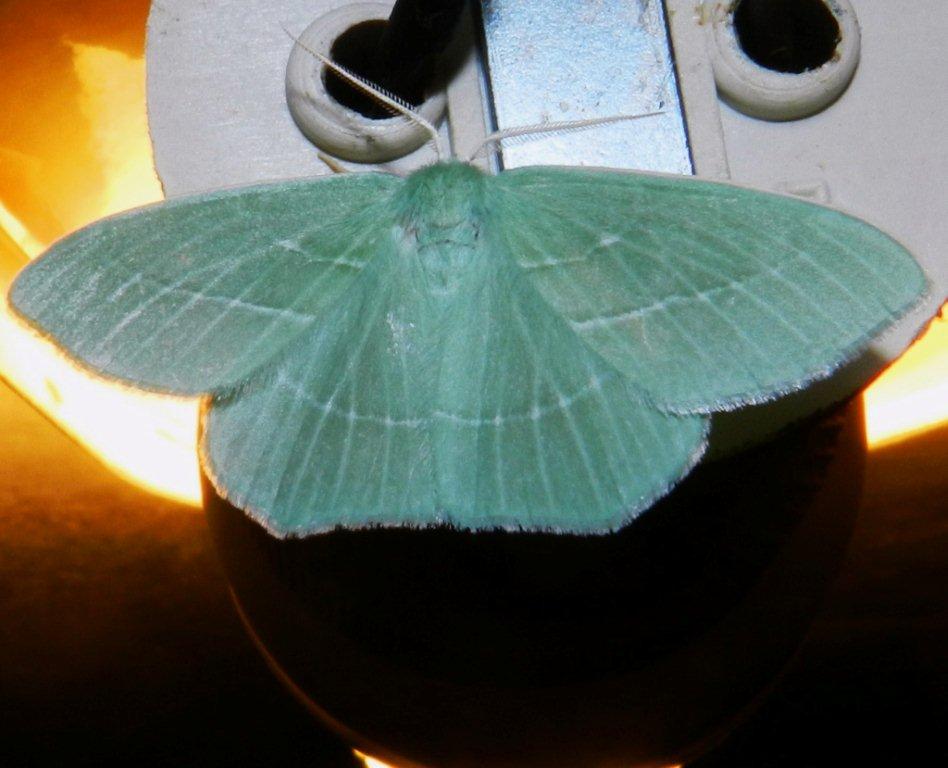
(18, 294)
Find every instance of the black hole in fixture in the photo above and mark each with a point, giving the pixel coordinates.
(786, 35)
(356, 50)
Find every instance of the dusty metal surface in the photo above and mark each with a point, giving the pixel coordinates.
(550, 61)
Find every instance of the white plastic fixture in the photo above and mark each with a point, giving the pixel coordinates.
(333, 127)
(764, 93)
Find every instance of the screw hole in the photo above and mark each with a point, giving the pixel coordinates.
(790, 36)
(356, 49)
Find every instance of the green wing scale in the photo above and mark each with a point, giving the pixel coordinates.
(533, 351)
(479, 410)
(193, 294)
(709, 296)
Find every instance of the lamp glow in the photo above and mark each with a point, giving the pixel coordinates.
(911, 396)
(147, 438)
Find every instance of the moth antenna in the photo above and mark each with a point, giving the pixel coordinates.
(390, 101)
(563, 126)
(334, 165)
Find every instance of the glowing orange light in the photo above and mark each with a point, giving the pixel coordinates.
(370, 762)
(147, 438)
(113, 90)
(912, 396)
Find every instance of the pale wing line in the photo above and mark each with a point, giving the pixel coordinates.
(481, 396)
(160, 242)
(341, 259)
(608, 408)
(281, 385)
(77, 258)
(307, 289)
(641, 250)
(135, 279)
(271, 198)
(537, 440)
(618, 476)
(859, 259)
(149, 245)
(238, 302)
(577, 437)
(606, 250)
(406, 391)
(624, 268)
(831, 280)
(583, 258)
(740, 286)
(779, 276)
(229, 305)
(701, 295)
(618, 318)
(130, 253)
(802, 255)
(170, 288)
(354, 359)
(683, 332)
(238, 261)
(797, 290)
(383, 482)
(529, 267)
(138, 312)
(372, 418)
(284, 414)
(273, 393)
(498, 468)
(343, 465)
(291, 247)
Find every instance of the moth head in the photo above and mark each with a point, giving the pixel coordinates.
(441, 196)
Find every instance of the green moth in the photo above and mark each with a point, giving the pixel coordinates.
(536, 350)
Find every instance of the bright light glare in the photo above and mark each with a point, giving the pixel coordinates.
(370, 762)
(113, 90)
(912, 396)
(149, 439)
(19, 234)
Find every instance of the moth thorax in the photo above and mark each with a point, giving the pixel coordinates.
(441, 212)
(445, 252)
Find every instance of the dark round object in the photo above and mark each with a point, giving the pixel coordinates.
(356, 50)
(450, 649)
(786, 35)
